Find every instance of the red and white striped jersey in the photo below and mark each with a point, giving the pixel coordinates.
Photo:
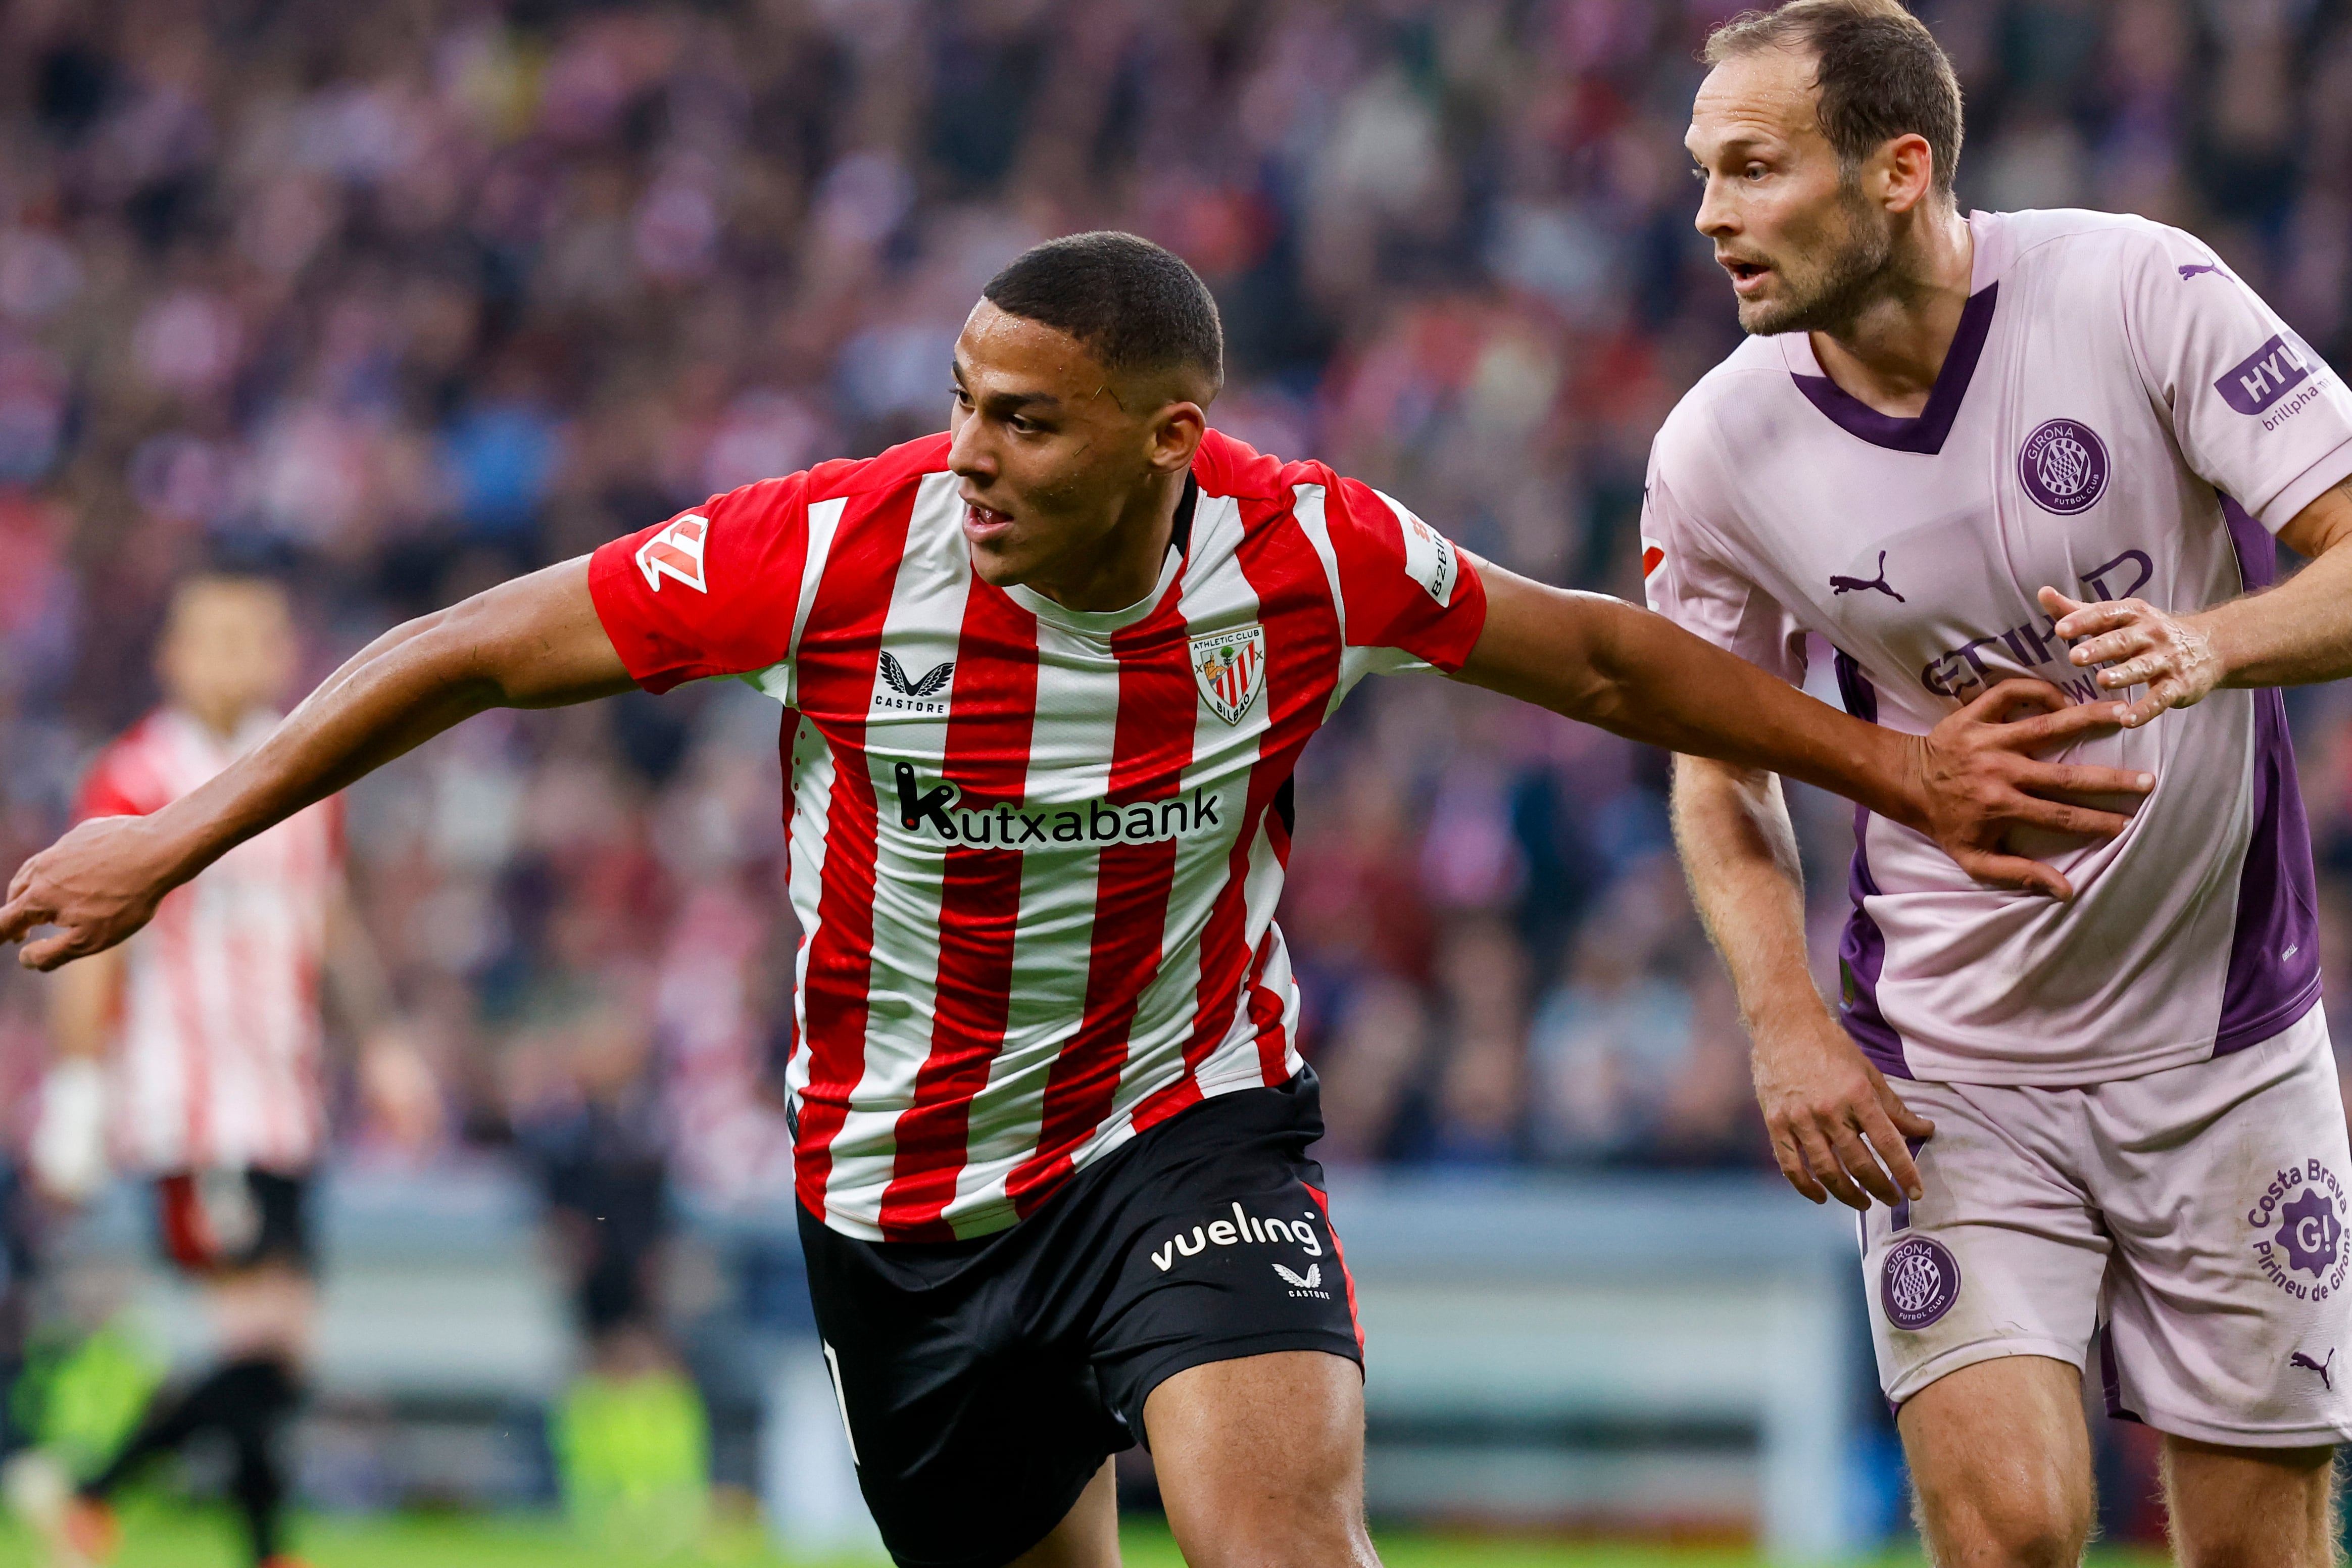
(217, 1051)
(1035, 851)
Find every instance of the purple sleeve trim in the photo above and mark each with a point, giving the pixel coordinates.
(1861, 951)
(2274, 975)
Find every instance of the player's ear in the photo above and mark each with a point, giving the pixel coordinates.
(1176, 432)
(1908, 172)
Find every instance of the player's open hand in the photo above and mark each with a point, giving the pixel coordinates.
(1837, 1131)
(2141, 646)
(100, 882)
(1979, 779)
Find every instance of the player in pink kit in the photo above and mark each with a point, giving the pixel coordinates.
(1959, 448)
(1045, 677)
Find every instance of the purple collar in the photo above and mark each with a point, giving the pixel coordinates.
(1925, 433)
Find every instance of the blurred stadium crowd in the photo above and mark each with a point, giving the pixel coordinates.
(403, 298)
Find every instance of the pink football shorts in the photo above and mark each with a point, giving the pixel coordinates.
(2189, 1224)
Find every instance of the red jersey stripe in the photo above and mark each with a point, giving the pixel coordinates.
(980, 910)
(1152, 741)
(841, 649)
(1302, 668)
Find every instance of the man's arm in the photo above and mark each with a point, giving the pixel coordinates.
(535, 642)
(2293, 635)
(1638, 675)
(1822, 1099)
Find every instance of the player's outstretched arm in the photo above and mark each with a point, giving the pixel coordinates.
(535, 642)
(2293, 635)
(1966, 783)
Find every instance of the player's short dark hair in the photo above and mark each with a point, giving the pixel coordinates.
(1135, 306)
(1880, 72)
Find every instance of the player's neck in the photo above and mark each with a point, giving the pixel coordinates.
(1890, 356)
(220, 722)
(1125, 566)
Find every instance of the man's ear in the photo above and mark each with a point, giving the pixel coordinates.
(1908, 172)
(1176, 432)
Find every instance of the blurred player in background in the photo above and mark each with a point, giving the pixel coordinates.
(1947, 432)
(1046, 676)
(192, 1057)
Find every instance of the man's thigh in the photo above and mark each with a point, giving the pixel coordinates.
(2228, 1188)
(1262, 1461)
(2001, 1459)
(2001, 1255)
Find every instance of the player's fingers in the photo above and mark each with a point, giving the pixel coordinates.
(1908, 1122)
(2078, 778)
(49, 952)
(21, 915)
(2061, 816)
(2057, 604)
(2144, 709)
(2072, 723)
(1827, 1167)
(2005, 697)
(1853, 1148)
(2015, 872)
(2090, 620)
(1791, 1162)
(2109, 647)
(1887, 1143)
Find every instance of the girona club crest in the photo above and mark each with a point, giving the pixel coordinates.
(1230, 669)
(676, 552)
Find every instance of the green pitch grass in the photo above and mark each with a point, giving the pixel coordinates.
(158, 1535)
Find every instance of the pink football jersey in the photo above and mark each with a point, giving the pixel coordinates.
(2118, 416)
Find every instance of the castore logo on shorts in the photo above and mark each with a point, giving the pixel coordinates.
(2308, 1237)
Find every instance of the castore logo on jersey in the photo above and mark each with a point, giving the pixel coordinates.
(927, 695)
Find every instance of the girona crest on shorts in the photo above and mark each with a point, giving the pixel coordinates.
(1230, 669)
(676, 552)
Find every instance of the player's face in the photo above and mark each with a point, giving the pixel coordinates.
(1805, 251)
(1051, 462)
(227, 648)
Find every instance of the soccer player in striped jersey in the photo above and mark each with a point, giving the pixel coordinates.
(1045, 677)
(191, 1054)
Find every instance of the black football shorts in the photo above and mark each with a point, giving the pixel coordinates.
(210, 1221)
(985, 1381)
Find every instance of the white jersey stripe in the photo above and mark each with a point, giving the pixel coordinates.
(919, 633)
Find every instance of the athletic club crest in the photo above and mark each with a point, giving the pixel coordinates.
(1920, 1281)
(2063, 465)
(1230, 669)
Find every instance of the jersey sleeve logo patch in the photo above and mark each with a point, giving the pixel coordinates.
(2063, 465)
(2256, 381)
(676, 552)
(1429, 556)
(1230, 669)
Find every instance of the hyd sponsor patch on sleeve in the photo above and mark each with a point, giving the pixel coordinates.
(676, 552)
(1429, 556)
